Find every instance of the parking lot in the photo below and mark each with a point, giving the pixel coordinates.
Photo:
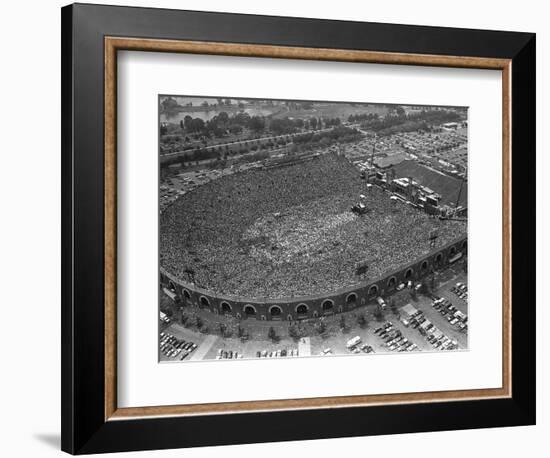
(174, 338)
(441, 323)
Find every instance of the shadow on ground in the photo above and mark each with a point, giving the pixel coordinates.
(51, 439)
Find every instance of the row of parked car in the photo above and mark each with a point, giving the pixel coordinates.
(394, 338)
(419, 321)
(432, 334)
(292, 352)
(164, 318)
(461, 290)
(454, 316)
(442, 342)
(228, 354)
(355, 345)
(172, 347)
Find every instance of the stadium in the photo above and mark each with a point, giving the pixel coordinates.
(281, 242)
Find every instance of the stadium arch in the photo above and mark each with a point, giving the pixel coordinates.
(249, 310)
(275, 311)
(327, 306)
(301, 310)
(373, 290)
(204, 302)
(351, 299)
(314, 306)
(225, 307)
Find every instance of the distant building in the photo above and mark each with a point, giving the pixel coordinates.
(450, 125)
(416, 193)
(388, 161)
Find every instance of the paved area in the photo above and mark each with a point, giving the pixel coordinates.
(304, 347)
(204, 347)
(335, 338)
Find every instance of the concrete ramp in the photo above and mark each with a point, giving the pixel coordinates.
(304, 347)
(203, 349)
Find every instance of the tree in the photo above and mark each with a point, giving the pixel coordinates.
(393, 307)
(362, 320)
(272, 334)
(242, 333)
(223, 117)
(321, 327)
(432, 281)
(424, 288)
(257, 123)
(399, 110)
(199, 322)
(378, 314)
(196, 125)
(293, 332)
(343, 324)
(187, 122)
(313, 123)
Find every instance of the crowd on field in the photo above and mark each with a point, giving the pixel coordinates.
(289, 231)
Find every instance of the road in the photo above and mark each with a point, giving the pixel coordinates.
(204, 348)
(262, 139)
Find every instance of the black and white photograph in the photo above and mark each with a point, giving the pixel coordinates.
(297, 228)
(266, 229)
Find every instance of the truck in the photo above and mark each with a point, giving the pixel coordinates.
(353, 342)
(381, 302)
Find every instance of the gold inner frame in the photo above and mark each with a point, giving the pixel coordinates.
(114, 44)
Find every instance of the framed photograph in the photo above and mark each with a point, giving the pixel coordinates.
(283, 228)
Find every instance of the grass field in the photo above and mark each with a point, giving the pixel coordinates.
(445, 185)
(334, 110)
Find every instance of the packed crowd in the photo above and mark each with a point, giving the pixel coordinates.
(288, 231)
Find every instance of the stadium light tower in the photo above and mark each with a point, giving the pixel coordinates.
(460, 191)
(371, 158)
(433, 237)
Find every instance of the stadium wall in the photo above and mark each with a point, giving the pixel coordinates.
(297, 308)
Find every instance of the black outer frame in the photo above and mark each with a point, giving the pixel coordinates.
(84, 429)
